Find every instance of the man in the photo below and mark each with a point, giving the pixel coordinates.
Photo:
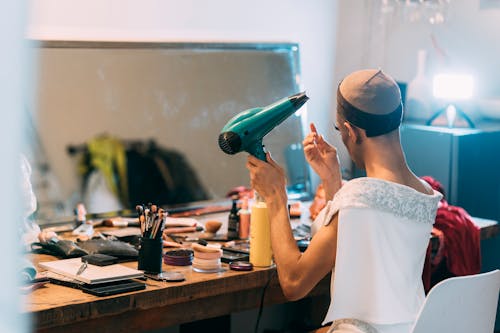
(373, 232)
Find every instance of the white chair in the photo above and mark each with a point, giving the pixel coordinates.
(461, 304)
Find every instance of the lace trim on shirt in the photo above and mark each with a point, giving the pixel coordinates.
(362, 325)
(401, 200)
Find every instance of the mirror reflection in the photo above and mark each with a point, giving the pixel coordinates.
(118, 124)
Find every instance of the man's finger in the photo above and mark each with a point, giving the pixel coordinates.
(254, 160)
(309, 139)
(313, 128)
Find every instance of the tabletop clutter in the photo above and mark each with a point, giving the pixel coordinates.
(91, 253)
(93, 261)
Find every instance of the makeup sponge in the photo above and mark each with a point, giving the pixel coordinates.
(212, 226)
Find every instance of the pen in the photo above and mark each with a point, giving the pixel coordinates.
(82, 268)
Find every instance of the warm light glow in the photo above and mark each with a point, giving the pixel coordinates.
(453, 86)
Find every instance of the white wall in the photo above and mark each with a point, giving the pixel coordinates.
(13, 89)
(467, 41)
(310, 23)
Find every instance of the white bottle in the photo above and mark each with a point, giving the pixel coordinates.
(419, 93)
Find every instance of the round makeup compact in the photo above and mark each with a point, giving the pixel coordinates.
(206, 264)
(178, 257)
(207, 255)
(241, 266)
(173, 276)
(170, 276)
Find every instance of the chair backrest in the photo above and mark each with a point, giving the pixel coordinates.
(461, 304)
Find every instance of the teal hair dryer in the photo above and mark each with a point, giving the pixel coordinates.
(244, 132)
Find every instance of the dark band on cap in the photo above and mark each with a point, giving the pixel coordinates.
(373, 124)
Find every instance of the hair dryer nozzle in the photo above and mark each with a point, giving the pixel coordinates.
(298, 100)
(230, 142)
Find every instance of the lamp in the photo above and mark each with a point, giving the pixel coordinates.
(451, 88)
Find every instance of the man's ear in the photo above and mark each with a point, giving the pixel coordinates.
(354, 133)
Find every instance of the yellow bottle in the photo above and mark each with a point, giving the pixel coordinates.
(261, 254)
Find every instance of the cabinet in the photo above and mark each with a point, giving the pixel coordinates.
(465, 161)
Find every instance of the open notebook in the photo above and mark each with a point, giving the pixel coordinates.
(92, 274)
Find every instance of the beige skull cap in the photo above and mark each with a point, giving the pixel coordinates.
(372, 91)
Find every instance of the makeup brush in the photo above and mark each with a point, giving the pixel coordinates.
(120, 222)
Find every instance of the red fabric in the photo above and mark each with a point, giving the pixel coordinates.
(461, 246)
(459, 250)
(426, 274)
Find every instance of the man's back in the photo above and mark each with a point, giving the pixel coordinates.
(383, 232)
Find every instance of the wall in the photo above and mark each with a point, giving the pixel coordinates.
(311, 24)
(467, 41)
(13, 92)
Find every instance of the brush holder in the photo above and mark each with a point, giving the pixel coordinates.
(151, 255)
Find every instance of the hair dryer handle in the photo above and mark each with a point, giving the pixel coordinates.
(257, 150)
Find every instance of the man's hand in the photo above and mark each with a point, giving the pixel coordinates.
(324, 160)
(268, 179)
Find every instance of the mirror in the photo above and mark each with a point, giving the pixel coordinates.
(172, 97)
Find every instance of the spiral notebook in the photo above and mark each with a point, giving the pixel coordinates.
(92, 274)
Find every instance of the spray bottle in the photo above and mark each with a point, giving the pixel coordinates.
(233, 222)
(261, 254)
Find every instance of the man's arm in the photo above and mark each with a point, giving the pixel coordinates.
(300, 272)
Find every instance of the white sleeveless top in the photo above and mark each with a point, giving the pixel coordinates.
(383, 233)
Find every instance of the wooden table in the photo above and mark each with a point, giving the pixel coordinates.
(202, 295)
(489, 228)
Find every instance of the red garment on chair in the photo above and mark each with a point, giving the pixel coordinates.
(459, 251)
